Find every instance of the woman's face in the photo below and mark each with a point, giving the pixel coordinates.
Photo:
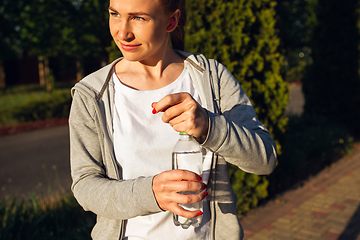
(139, 28)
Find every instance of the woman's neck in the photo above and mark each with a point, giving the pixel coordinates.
(150, 74)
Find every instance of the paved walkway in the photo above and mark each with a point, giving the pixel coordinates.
(34, 161)
(326, 207)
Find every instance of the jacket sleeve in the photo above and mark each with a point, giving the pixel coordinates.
(235, 133)
(95, 184)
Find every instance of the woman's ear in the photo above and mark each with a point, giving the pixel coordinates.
(174, 19)
(172, 23)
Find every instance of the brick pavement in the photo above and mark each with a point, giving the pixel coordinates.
(326, 207)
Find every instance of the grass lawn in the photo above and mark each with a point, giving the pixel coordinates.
(32, 99)
(12, 100)
(17, 95)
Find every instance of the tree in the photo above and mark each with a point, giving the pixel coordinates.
(9, 35)
(91, 30)
(332, 85)
(49, 28)
(296, 22)
(241, 34)
(34, 28)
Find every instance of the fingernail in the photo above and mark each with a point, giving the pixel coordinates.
(199, 178)
(199, 214)
(205, 194)
(205, 185)
(153, 111)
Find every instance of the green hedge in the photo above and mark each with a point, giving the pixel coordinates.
(56, 105)
(241, 34)
(250, 189)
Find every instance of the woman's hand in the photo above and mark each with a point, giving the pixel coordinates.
(166, 186)
(184, 114)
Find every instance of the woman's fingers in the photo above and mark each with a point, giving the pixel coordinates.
(179, 186)
(187, 186)
(177, 204)
(178, 181)
(183, 113)
(168, 188)
(168, 101)
(180, 211)
(186, 199)
(190, 198)
(180, 174)
(186, 105)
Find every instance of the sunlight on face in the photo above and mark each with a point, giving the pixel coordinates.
(138, 28)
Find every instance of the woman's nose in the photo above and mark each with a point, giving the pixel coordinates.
(125, 32)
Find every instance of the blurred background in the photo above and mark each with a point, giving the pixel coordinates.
(302, 52)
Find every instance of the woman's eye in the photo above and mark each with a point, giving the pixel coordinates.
(139, 18)
(114, 14)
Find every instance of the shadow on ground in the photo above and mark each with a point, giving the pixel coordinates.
(352, 230)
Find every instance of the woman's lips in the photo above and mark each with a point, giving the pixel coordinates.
(129, 47)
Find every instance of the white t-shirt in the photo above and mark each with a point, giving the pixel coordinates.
(143, 144)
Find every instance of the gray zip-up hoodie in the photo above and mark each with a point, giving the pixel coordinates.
(235, 136)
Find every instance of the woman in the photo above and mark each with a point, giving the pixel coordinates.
(125, 120)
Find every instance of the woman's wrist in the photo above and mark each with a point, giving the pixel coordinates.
(201, 139)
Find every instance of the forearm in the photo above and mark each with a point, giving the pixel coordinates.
(234, 131)
(251, 148)
(96, 185)
(116, 199)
